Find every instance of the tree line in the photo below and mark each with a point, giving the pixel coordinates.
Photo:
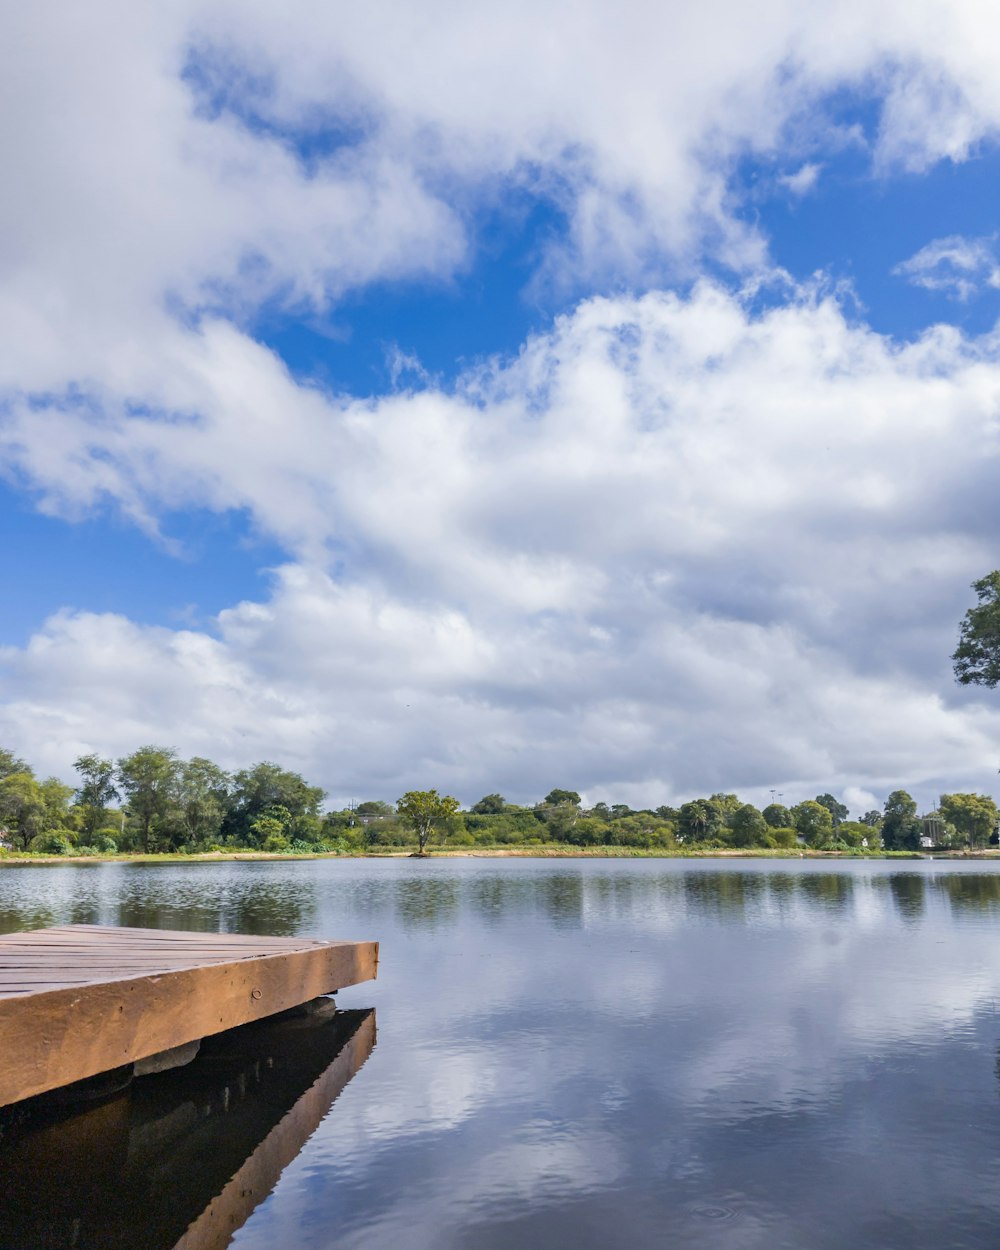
(721, 821)
(154, 801)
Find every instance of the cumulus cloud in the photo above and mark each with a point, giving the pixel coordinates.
(957, 266)
(172, 162)
(672, 546)
(214, 155)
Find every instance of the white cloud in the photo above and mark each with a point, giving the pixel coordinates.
(803, 180)
(671, 547)
(178, 155)
(957, 266)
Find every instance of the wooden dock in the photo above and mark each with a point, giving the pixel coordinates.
(79, 1000)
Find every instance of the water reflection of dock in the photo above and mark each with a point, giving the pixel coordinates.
(80, 1000)
(180, 1160)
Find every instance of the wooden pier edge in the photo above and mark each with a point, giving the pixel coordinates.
(115, 1011)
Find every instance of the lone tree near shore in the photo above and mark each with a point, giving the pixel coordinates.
(977, 656)
(422, 810)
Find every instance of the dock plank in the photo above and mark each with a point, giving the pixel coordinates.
(76, 1000)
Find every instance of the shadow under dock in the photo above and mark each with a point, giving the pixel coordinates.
(178, 1161)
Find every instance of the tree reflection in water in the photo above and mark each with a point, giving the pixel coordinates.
(723, 895)
(14, 920)
(971, 891)
(909, 894)
(567, 897)
(833, 891)
(427, 902)
(261, 905)
(561, 898)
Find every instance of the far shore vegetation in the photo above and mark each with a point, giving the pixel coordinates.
(155, 804)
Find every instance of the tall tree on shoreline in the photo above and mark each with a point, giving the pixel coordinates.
(973, 815)
(977, 656)
(22, 807)
(96, 791)
(422, 810)
(148, 779)
(203, 794)
(900, 826)
(836, 809)
(257, 791)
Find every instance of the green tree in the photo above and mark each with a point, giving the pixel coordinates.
(813, 821)
(489, 805)
(977, 657)
(837, 810)
(22, 808)
(901, 828)
(727, 805)
(579, 830)
(268, 833)
(975, 816)
(96, 790)
(203, 797)
(777, 816)
(641, 829)
(56, 796)
(556, 798)
(255, 790)
(698, 820)
(10, 764)
(854, 833)
(424, 810)
(374, 807)
(148, 780)
(873, 819)
(560, 822)
(748, 826)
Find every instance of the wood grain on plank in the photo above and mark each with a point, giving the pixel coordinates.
(62, 1020)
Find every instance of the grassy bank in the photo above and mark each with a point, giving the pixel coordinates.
(12, 859)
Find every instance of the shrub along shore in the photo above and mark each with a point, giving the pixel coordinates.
(153, 804)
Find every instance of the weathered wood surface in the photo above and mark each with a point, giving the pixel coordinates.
(83, 999)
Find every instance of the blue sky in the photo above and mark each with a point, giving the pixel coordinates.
(429, 402)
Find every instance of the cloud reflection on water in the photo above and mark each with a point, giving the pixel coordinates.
(654, 1052)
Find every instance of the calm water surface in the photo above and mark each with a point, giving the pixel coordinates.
(612, 1053)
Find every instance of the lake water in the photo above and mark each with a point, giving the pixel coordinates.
(623, 1053)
